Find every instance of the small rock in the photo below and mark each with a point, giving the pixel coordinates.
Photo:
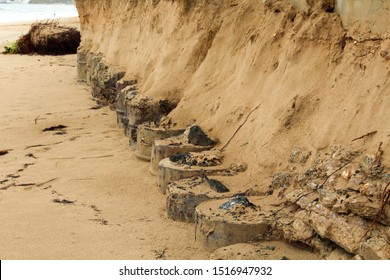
(375, 249)
(339, 254)
(237, 200)
(197, 137)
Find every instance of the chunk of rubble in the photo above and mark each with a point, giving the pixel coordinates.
(150, 132)
(183, 196)
(217, 227)
(169, 171)
(197, 137)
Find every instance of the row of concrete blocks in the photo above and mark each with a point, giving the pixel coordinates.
(188, 194)
(139, 116)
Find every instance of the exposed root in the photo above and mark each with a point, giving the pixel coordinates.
(238, 129)
(384, 201)
(49, 38)
(365, 135)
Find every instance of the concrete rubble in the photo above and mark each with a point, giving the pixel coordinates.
(339, 199)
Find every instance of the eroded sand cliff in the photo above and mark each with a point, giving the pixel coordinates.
(264, 78)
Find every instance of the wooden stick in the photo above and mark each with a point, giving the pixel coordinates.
(365, 135)
(234, 134)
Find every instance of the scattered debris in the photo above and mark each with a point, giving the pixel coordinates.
(8, 186)
(197, 137)
(42, 145)
(197, 159)
(60, 133)
(160, 253)
(46, 182)
(54, 128)
(94, 207)
(27, 165)
(238, 199)
(96, 107)
(100, 221)
(31, 156)
(215, 185)
(26, 185)
(96, 157)
(63, 201)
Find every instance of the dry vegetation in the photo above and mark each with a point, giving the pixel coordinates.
(48, 38)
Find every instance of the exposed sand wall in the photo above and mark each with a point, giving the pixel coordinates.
(373, 13)
(294, 78)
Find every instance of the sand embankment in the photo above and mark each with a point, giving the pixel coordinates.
(308, 80)
(300, 95)
(265, 78)
(79, 192)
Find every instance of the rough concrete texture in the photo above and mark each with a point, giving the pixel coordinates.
(340, 199)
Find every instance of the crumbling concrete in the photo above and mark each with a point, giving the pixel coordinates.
(339, 198)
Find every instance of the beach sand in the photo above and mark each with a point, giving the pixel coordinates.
(80, 193)
(117, 210)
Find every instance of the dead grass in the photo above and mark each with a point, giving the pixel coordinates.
(49, 38)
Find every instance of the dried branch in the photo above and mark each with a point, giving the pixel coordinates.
(383, 202)
(365, 135)
(238, 129)
(379, 154)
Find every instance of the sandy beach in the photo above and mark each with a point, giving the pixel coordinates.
(116, 211)
(79, 192)
(290, 102)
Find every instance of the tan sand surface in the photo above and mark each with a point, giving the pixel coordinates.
(115, 210)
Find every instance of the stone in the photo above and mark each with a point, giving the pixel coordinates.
(345, 233)
(375, 249)
(282, 180)
(300, 228)
(197, 137)
(217, 227)
(368, 208)
(339, 254)
(328, 197)
(103, 81)
(148, 133)
(301, 197)
(299, 156)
